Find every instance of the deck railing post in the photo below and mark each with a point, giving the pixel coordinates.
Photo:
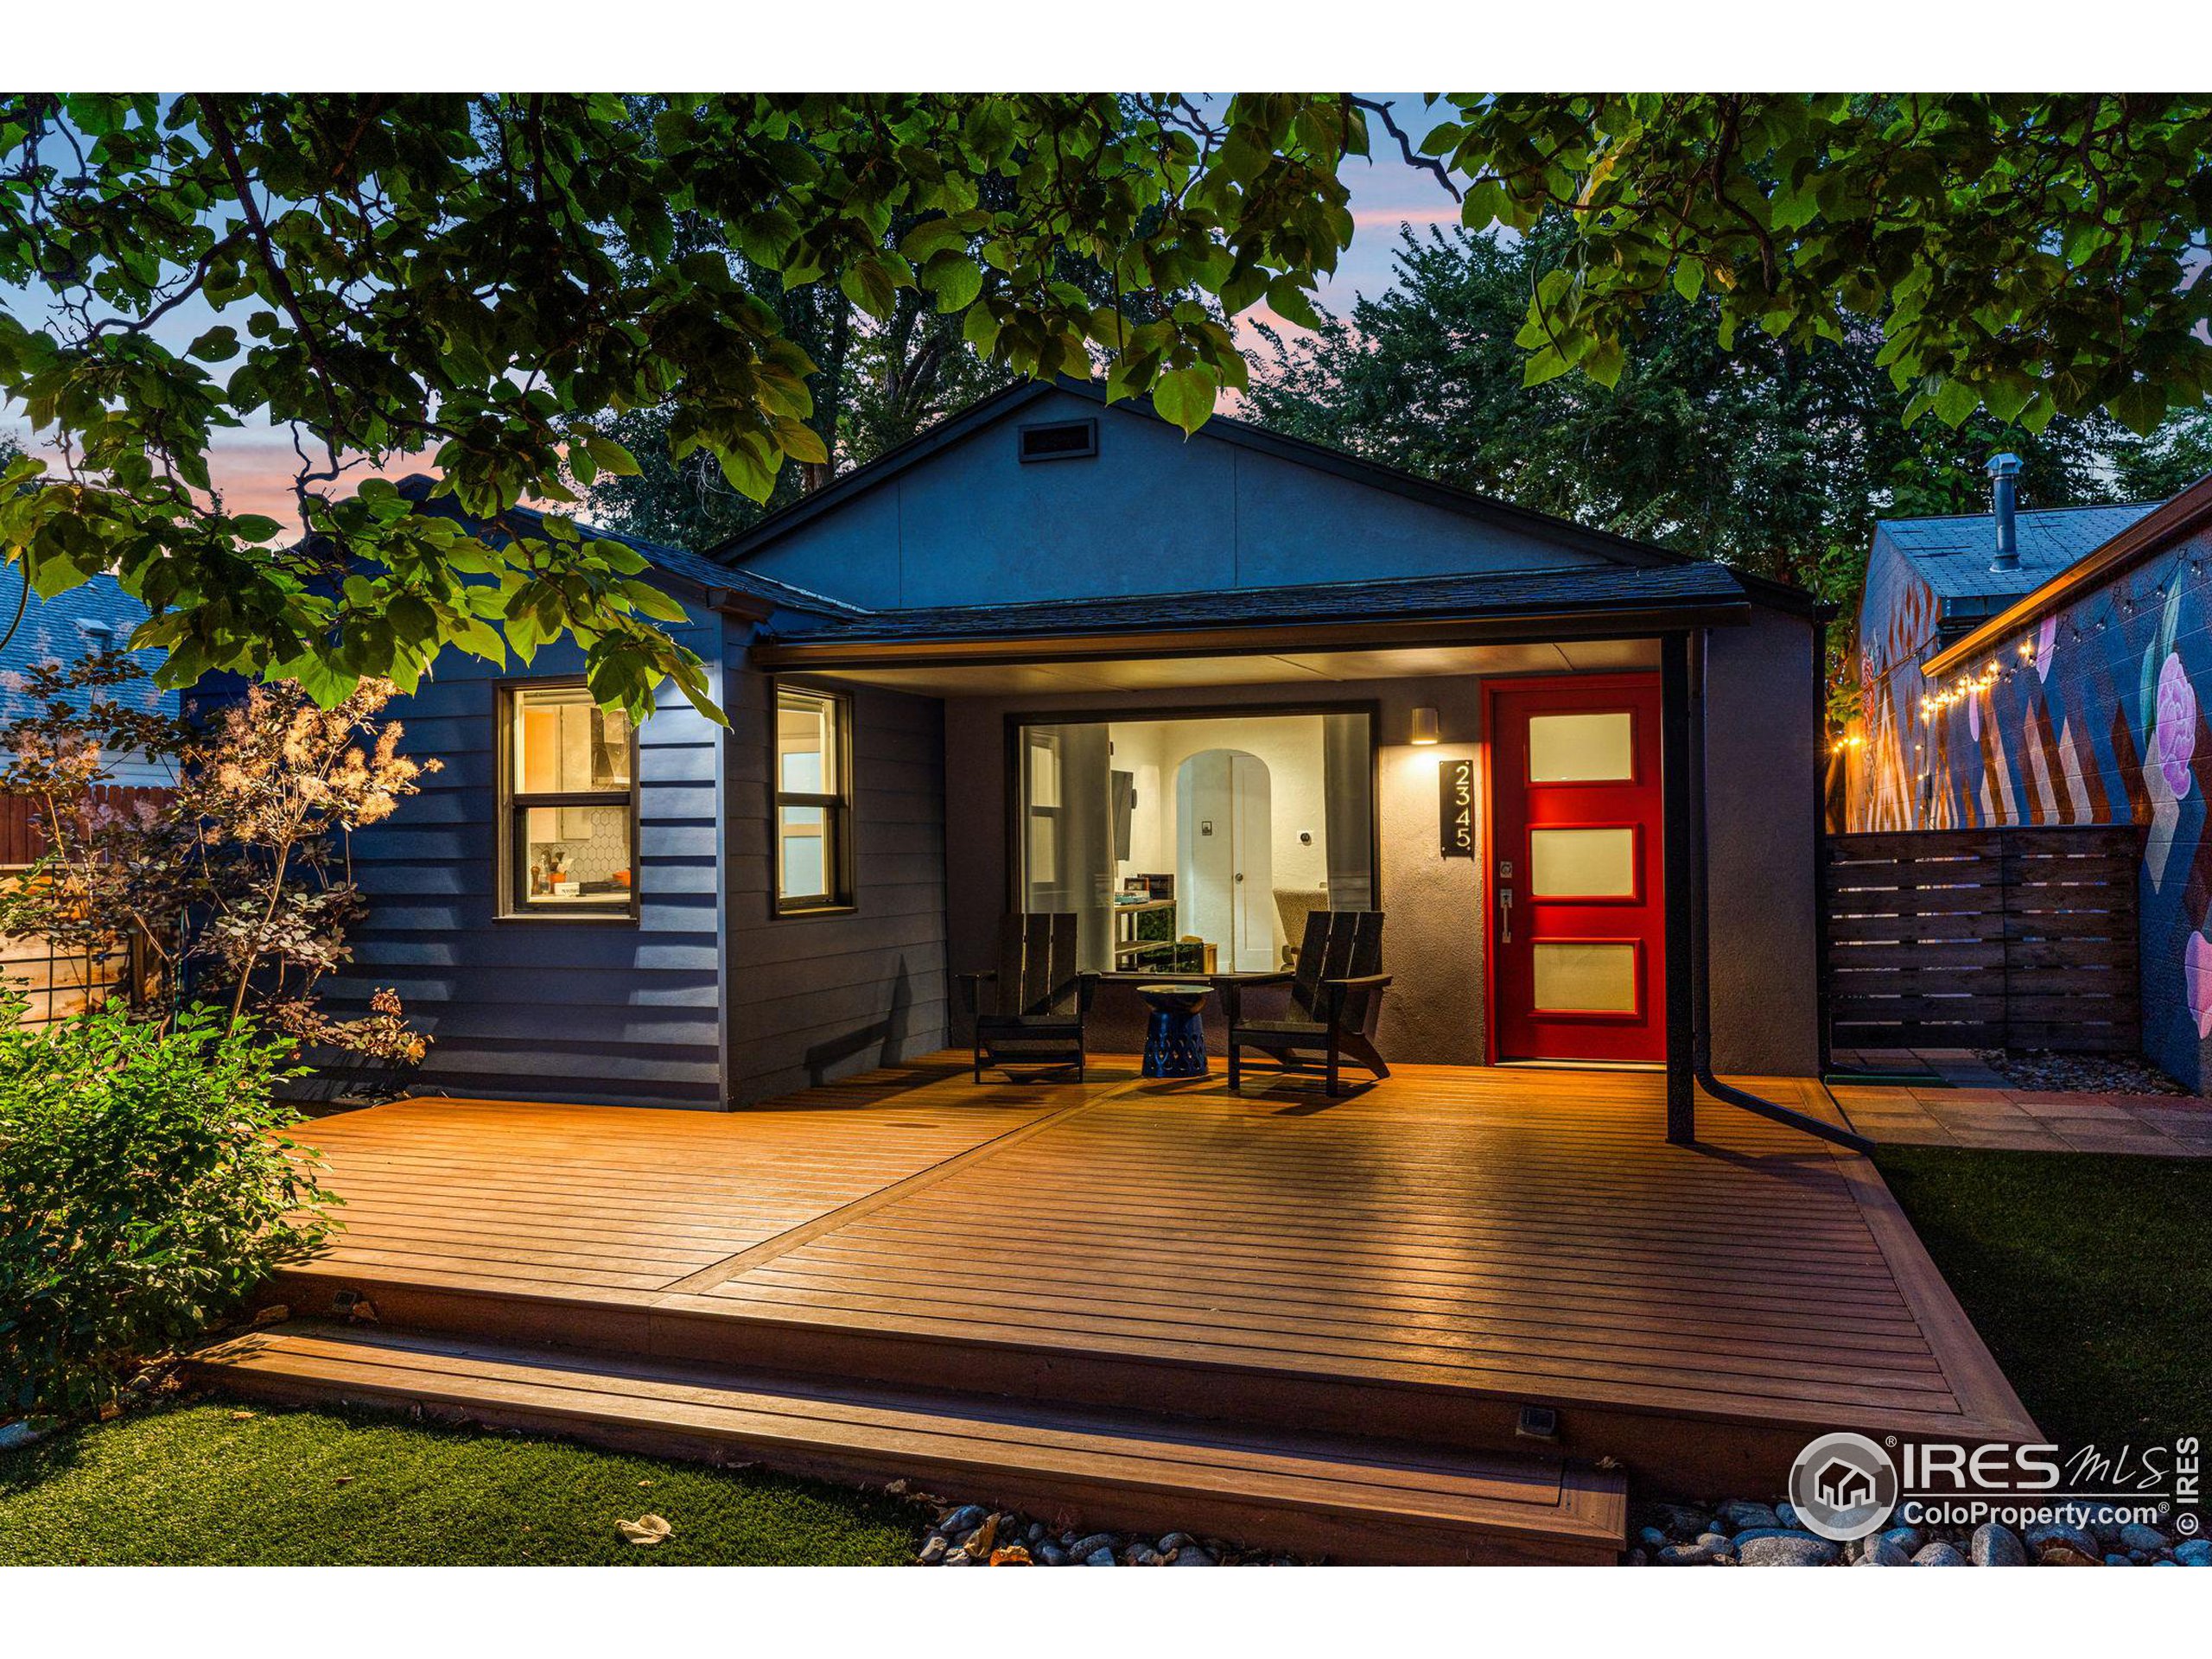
(1679, 808)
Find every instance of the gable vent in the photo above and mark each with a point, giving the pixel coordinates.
(1059, 440)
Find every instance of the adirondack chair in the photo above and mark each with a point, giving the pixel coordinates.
(1336, 994)
(1029, 1010)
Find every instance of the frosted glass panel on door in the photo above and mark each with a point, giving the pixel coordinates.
(1576, 977)
(1582, 863)
(1582, 748)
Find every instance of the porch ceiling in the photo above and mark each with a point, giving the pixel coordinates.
(1167, 673)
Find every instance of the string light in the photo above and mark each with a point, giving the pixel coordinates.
(1966, 685)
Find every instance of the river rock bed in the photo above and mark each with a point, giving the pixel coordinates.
(2045, 1070)
(973, 1535)
(1742, 1533)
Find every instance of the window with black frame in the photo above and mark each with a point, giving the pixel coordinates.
(568, 780)
(813, 801)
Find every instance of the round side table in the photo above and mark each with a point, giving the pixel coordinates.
(1175, 1041)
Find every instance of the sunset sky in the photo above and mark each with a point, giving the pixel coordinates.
(254, 467)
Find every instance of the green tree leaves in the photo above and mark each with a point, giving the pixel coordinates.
(1773, 456)
(2031, 256)
(501, 281)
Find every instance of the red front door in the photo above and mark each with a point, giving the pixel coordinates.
(1577, 935)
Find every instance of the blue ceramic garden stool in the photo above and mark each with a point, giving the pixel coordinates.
(1175, 1042)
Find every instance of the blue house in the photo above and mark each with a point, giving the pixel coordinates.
(95, 617)
(1053, 656)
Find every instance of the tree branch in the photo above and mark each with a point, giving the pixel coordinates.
(1426, 163)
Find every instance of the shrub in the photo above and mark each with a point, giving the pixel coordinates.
(146, 1187)
(237, 885)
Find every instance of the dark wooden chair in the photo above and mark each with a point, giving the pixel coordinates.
(1029, 1010)
(1336, 994)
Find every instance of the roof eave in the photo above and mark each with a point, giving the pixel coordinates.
(1264, 639)
(2185, 513)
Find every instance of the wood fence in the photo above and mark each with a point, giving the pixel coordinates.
(1984, 938)
(57, 984)
(22, 838)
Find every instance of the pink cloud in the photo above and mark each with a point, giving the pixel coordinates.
(1443, 213)
(253, 472)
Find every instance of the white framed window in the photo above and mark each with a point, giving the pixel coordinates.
(567, 804)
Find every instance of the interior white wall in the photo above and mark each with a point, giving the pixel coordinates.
(1289, 745)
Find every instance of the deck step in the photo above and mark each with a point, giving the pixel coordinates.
(1344, 1499)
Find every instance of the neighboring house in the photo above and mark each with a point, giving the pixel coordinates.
(97, 616)
(2076, 703)
(1929, 582)
(1053, 656)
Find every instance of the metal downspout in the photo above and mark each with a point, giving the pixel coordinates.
(1701, 941)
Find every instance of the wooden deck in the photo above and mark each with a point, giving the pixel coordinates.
(1419, 1261)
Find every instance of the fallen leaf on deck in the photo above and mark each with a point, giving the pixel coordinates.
(646, 1529)
(275, 1314)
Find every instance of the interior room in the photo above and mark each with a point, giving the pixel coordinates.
(1198, 844)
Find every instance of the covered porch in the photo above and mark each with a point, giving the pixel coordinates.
(1387, 739)
(1458, 1264)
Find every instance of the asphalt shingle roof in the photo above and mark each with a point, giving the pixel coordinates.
(678, 561)
(1954, 554)
(1498, 594)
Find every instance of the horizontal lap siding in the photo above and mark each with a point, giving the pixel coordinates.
(584, 1011)
(813, 998)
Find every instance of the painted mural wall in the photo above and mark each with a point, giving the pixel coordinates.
(2095, 716)
(1900, 616)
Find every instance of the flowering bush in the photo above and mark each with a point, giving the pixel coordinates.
(239, 885)
(146, 1187)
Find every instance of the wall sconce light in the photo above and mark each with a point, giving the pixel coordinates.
(1424, 732)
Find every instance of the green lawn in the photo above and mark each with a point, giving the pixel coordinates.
(193, 1486)
(2088, 1274)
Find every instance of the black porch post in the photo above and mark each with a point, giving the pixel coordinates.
(1677, 788)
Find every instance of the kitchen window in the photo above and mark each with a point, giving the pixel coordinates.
(813, 801)
(567, 786)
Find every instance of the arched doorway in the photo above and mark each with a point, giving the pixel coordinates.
(1225, 866)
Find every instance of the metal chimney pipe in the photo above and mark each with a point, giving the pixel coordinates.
(2003, 470)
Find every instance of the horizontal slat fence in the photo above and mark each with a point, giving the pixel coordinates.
(1984, 938)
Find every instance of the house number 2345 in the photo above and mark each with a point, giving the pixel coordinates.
(1455, 806)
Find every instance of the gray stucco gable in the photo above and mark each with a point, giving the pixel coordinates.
(966, 521)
